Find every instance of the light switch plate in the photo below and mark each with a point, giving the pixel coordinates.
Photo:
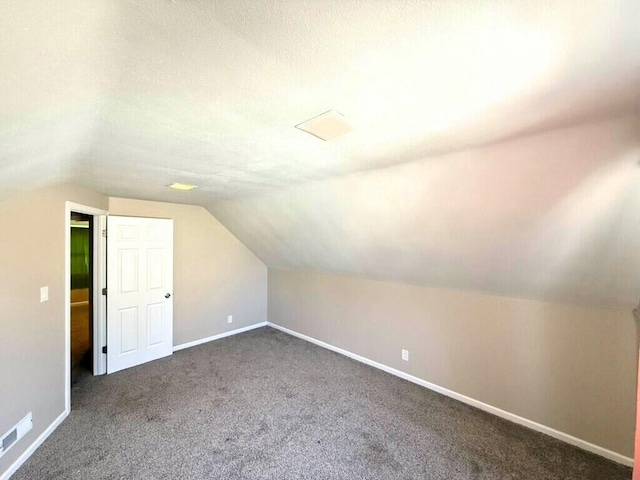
(44, 294)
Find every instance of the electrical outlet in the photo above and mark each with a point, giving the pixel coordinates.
(405, 355)
(230, 319)
(44, 294)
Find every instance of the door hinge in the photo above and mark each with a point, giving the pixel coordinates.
(104, 291)
(104, 233)
(104, 349)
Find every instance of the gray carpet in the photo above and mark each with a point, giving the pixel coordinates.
(265, 405)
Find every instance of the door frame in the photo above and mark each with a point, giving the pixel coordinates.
(98, 283)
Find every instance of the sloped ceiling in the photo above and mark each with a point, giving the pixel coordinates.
(554, 216)
(128, 96)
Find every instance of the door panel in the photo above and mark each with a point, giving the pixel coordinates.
(155, 272)
(139, 275)
(128, 330)
(155, 334)
(128, 271)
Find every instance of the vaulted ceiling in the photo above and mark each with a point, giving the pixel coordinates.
(495, 143)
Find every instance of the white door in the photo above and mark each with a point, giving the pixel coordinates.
(139, 290)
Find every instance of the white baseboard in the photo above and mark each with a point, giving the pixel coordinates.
(565, 437)
(590, 447)
(32, 448)
(217, 337)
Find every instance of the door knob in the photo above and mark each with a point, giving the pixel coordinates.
(167, 295)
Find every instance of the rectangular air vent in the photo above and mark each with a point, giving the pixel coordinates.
(16, 433)
(326, 126)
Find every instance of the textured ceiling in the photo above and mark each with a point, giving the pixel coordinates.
(128, 96)
(553, 216)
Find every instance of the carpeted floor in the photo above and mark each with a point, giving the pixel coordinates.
(265, 405)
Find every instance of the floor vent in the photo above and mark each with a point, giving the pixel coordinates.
(16, 433)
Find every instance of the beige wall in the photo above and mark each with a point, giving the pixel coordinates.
(32, 356)
(567, 367)
(214, 274)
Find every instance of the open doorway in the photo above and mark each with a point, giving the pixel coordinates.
(81, 297)
(87, 295)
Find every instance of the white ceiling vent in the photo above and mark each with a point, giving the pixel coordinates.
(326, 126)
